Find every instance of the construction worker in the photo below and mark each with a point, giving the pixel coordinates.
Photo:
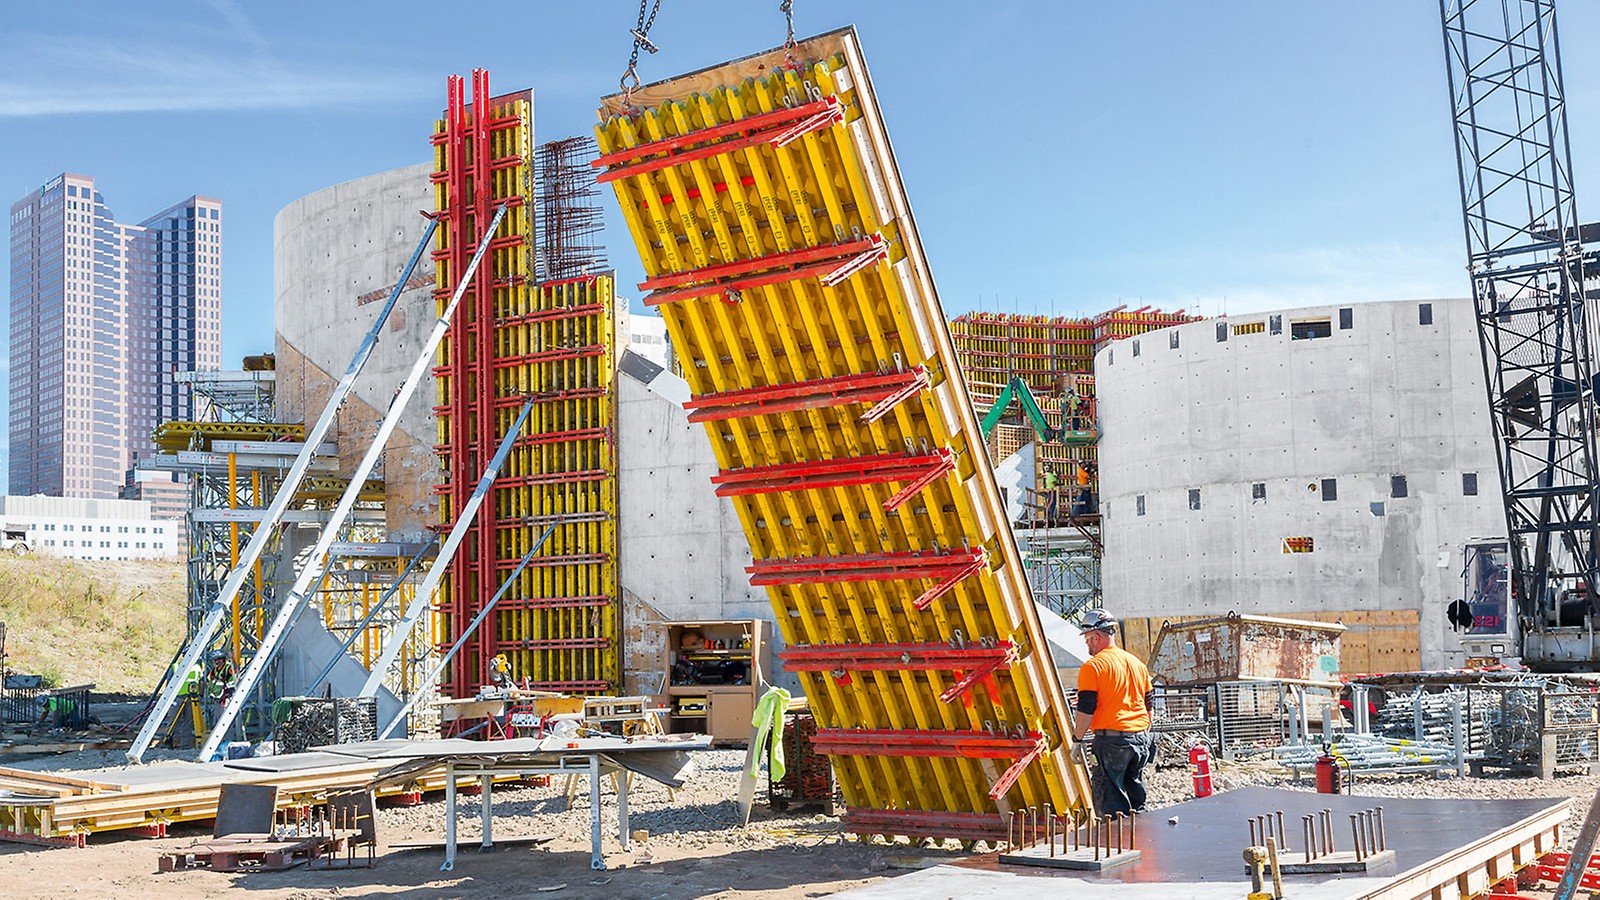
(1052, 487)
(1113, 701)
(1081, 500)
(220, 675)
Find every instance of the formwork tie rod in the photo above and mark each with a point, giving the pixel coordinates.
(941, 744)
(978, 662)
(917, 469)
(778, 128)
(950, 568)
(820, 393)
(830, 263)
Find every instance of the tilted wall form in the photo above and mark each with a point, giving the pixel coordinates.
(775, 235)
(513, 338)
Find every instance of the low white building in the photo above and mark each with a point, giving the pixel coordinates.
(90, 529)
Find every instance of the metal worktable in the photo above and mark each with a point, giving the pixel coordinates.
(660, 759)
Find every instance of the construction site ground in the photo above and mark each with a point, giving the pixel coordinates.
(694, 847)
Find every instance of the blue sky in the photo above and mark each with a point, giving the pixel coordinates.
(1062, 157)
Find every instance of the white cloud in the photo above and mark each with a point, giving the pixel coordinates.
(48, 75)
(1302, 277)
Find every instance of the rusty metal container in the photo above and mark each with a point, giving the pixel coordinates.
(1238, 648)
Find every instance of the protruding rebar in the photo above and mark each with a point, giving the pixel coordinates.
(1094, 835)
(1332, 845)
(1133, 819)
(1075, 826)
(1283, 843)
(1120, 826)
(1355, 836)
(1369, 820)
(1251, 823)
(1306, 832)
(1050, 827)
(1011, 827)
(1383, 841)
(1105, 834)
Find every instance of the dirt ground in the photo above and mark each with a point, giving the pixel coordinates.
(695, 847)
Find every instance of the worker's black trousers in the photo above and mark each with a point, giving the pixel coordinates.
(1118, 783)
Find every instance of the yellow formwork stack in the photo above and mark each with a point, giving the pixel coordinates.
(558, 627)
(513, 340)
(764, 202)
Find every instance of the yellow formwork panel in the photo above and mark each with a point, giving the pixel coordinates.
(907, 740)
(558, 626)
(174, 436)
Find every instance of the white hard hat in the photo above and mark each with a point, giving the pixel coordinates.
(1098, 620)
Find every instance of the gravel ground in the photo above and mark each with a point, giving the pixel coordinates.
(694, 846)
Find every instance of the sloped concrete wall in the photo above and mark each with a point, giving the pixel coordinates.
(1260, 413)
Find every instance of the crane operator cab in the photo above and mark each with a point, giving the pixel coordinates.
(1482, 617)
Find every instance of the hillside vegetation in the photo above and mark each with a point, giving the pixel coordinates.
(116, 624)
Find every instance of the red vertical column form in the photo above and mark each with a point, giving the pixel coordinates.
(462, 242)
(486, 440)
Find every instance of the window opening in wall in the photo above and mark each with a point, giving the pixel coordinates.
(1397, 486)
(1172, 339)
(1376, 507)
(1222, 331)
(1424, 313)
(1250, 328)
(1194, 498)
(1346, 318)
(1275, 324)
(1258, 491)
(1135, 347)
(1469, 484)
(1138, 505)
(1310, 329)
(1330, 489)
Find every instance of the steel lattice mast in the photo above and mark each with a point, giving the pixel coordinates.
(1525, 256)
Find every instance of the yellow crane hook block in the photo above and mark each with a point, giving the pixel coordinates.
(763, 198)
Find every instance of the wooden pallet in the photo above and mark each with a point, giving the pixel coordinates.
(249, 853)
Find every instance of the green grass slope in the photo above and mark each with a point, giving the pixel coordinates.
(115, 624)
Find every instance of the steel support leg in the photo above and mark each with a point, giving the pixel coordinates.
(487, 813)
(624, 835)
(596, 859)
(449, 818)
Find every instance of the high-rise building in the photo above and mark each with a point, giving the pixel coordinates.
(102, 316)
(175, 313)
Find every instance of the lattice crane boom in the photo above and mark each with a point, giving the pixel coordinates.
(1526, 259)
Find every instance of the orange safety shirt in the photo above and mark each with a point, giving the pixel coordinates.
(1120, 682)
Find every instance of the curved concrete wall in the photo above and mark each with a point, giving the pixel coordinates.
(337, 254)
(1229, 446)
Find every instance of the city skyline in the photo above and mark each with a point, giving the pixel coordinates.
(1226, 158)
(103, 314)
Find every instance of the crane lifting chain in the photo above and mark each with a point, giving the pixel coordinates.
(641, 39)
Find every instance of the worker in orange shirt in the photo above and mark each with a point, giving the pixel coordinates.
(1113, 690)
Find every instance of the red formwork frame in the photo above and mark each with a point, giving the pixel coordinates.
(469, 164)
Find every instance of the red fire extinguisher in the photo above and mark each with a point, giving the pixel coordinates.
(1200, 769)
(1328, 781)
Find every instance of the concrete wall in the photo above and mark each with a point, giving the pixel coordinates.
(1189, 419)
(683, 550)
(338, 252)
(337, 255)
